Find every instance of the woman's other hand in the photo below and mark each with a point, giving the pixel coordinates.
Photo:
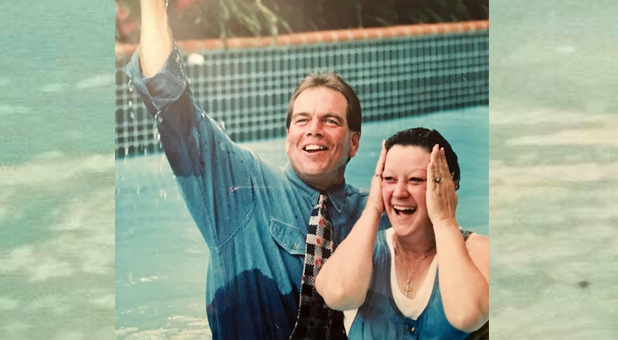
(441, 196)
(374, 201)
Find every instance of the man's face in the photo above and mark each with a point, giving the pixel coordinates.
(319, 141)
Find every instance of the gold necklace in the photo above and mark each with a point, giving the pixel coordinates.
(418, 264)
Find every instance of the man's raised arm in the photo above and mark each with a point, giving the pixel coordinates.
(156, 38)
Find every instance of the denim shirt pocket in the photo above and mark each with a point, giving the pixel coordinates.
(289, 237)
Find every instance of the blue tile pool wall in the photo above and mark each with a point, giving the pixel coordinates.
(247, 90)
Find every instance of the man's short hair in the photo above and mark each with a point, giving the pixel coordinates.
(426, 139)
(334, 82)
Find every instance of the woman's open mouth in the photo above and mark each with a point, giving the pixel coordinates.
(400, 209)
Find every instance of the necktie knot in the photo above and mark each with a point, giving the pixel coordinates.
(322, 199)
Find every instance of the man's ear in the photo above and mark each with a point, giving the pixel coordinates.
(354, 143)
(287, 143)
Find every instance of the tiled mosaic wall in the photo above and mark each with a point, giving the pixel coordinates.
(247, 90)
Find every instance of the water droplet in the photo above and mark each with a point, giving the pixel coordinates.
(162, 193)
(132, 115)
(222, 146)
(130, 103)
(158, 118)
(138, 189)
(129, 85)
(222, 123)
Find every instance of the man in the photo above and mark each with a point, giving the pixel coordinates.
(253, 216)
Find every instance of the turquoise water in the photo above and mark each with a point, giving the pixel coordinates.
(161, 258)
(553, 161)
(56, 170)
(553, 169)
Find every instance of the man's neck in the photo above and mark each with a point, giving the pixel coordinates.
(322, 184)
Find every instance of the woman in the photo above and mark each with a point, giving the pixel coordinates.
(424, 276)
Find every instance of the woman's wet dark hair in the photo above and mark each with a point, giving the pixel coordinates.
(426, 139)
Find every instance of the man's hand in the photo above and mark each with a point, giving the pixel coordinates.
(156, 39)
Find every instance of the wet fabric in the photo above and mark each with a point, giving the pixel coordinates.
(379, 318)
(252, 215)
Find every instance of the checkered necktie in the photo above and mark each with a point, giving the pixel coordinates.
(315, 319)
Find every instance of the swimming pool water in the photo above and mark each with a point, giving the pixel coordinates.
(161, 258)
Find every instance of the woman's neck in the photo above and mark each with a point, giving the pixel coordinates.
(417, 244)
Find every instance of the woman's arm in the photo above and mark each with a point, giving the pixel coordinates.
(463, 267)
(344, 279)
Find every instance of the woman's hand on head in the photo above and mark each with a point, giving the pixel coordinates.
(441, 197)
(374, 201)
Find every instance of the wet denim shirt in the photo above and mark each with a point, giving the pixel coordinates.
(253, 216)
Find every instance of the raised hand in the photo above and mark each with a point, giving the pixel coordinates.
(156, 41)
(441, 196)
(374, 201)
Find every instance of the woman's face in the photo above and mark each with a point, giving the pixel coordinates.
(404, 185)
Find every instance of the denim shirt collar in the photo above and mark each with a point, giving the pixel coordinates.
(336, 194)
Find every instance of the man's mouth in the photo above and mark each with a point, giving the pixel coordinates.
(313, 148)
(400, 209)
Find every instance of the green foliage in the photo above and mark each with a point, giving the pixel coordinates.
(203, 19)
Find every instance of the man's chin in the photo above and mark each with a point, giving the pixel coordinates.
(315, 172)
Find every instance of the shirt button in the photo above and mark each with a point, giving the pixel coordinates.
(294, 247)
(411, 330)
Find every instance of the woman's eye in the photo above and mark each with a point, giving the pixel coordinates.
(416, 180)
(387, 179)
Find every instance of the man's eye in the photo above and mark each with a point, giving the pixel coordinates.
(301, 120)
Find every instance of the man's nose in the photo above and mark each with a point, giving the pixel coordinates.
(315, 127)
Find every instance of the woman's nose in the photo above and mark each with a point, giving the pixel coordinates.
(400, 189)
